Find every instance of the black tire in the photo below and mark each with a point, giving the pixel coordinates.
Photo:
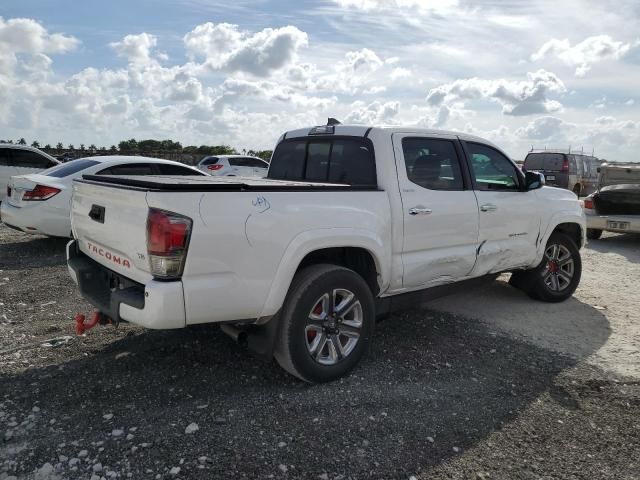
(594, 233)
(293, 347)
(538, 282)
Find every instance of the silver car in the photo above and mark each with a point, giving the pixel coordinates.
(234, 166)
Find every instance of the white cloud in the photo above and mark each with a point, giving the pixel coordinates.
(516, 97)
(368, 5)
(375, 113)
(226, 47)
(400, 72)
(24, 35)
(136, 48)
(584, 54)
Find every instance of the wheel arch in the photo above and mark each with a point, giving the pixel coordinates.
(360, 250)
(572, 225)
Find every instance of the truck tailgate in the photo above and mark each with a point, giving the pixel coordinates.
(110, 226)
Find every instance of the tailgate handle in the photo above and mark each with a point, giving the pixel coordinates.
(97, 213)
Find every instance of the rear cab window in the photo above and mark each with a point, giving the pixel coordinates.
(5, 158)
(544, 161)
(346, 160)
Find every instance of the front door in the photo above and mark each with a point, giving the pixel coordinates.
(509, 216)
(440, 212)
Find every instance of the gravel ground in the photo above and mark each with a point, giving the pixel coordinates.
(441, 395)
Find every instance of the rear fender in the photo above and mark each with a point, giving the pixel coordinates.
(313, 240)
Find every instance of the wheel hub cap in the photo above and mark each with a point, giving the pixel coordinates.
(559, 270)
(333, 326)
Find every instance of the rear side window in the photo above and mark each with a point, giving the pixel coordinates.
(70, 168)
(168, 169)
(4, 157)
(130, 169)
(255, 163)
(29, 159)
(432, 163)
(334, 160)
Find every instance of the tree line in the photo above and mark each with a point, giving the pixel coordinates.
(133, 147)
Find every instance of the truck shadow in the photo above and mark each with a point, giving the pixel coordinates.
(625, 244)
(431, 382)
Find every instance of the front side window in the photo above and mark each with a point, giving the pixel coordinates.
(334, 160)
(130, 169)
(169, 169)
(432, 163)
(491, 169)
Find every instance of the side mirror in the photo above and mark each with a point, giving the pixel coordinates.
(533, 180)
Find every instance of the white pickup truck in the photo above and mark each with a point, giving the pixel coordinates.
(348, 223)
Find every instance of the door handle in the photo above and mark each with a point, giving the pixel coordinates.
(488, 208)
(419, 211)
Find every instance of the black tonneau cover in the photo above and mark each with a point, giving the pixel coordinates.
(212, 184)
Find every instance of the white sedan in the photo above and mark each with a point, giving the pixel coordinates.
(234, 166)
(40, 203)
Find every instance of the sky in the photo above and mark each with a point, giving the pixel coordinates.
(541, 73)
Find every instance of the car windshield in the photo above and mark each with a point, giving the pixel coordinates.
(67, 169)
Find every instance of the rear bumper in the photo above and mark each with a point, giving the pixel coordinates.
(601, 222)
(37, 219)
(155, 305)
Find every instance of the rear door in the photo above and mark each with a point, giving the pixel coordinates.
(509, 216)
(440, 212)
(241, 166)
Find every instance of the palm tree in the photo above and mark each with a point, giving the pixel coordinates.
(35, 144)
(59, 146)
(22, 141)
(71, 147)
(82, 147)
(47, 147)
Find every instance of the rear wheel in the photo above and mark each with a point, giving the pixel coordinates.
(594, 233)
(326, 324)
(557, 276)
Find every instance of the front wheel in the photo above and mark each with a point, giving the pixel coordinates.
(557, 276)
(326, 324)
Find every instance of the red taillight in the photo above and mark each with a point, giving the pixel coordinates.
(41, 192)
(215, 167)
(588, 203)
(565, 165)
(167, 241)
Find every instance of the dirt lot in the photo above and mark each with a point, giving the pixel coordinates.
(482, 385)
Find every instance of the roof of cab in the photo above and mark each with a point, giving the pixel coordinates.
(362, 130)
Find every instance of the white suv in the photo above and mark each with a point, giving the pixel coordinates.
(20, 160)
(234, 166)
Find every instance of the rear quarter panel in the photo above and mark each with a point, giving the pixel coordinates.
(246, 246)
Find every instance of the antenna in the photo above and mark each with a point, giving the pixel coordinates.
(333, 121)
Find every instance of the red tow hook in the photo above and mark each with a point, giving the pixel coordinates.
(96, 318)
